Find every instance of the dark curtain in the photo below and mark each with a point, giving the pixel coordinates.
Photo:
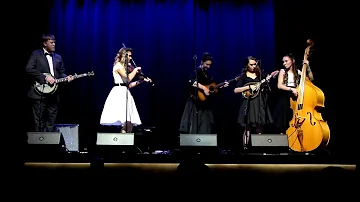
(165, 35)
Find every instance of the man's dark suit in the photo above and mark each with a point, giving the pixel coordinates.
(45, 107)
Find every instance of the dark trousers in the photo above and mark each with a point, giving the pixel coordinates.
(44, 114)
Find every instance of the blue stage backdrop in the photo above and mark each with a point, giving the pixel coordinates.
(165, 35)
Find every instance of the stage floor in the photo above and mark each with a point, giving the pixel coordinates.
(184, 174)
(178, 156)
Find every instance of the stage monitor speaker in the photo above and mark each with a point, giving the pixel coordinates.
(114, 139)
(45, 143)
(269, 143)
(116, 146)
(198, 140)
(44, 138)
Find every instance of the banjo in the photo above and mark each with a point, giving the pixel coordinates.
(51, 88)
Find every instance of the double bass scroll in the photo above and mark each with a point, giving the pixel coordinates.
(308, 131)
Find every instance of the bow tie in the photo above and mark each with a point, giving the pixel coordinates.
(48, 54)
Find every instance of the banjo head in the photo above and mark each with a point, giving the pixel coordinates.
(45, 88)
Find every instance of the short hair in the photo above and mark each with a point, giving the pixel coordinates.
(47, 37)
(129, 50)
(206, 56)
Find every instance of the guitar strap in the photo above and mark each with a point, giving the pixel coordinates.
(206, 75)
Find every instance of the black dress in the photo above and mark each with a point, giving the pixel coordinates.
(282, 111)
(258, 110)
(203, 123)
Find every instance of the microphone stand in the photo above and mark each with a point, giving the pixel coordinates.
(196, 97)
(246, 112)
(260, 95)
(40, 112)
(127, 82)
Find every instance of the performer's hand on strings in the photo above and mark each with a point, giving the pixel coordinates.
(206, 91)
(253, 87)
(294, 91)
(50, 79)
(70, 78)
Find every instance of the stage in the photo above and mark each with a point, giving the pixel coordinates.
(142, 166)
(180, 173)
(191, 179)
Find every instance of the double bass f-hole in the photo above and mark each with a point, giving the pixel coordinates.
(300, 120)
(311, 119)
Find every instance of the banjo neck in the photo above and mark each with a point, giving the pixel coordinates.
(74, 77)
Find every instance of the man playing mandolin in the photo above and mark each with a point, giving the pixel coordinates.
(45, 66)
(198, 117)
(254, 110)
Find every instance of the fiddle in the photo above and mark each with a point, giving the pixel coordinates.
(132, 65)
(139, 74)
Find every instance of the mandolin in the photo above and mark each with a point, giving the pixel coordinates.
(253, 93)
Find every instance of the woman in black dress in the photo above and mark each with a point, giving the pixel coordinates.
(254, 112)
(198, 115)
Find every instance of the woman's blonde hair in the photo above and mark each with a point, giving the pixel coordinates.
(120, 56)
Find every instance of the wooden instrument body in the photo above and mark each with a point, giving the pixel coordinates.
(308, 131)
(212, 89)
(316, 132)
(257, 84)
(252, 94)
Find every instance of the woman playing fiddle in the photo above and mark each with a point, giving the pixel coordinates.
(120, 108)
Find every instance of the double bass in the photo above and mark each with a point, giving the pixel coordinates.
(308, 131)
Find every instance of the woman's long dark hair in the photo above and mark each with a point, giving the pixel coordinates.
(294, 69)
(246, 62)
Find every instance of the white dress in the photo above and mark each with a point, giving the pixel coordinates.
(114, 111)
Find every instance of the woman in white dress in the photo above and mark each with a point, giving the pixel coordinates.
(116, 111)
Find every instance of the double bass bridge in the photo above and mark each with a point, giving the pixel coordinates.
(299, 120)
(300, 106)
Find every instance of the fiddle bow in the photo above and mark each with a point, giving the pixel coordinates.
(140, 75)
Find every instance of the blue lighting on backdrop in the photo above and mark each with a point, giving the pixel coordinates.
(165, 35)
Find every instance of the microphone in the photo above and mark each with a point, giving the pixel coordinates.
(258, 62)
